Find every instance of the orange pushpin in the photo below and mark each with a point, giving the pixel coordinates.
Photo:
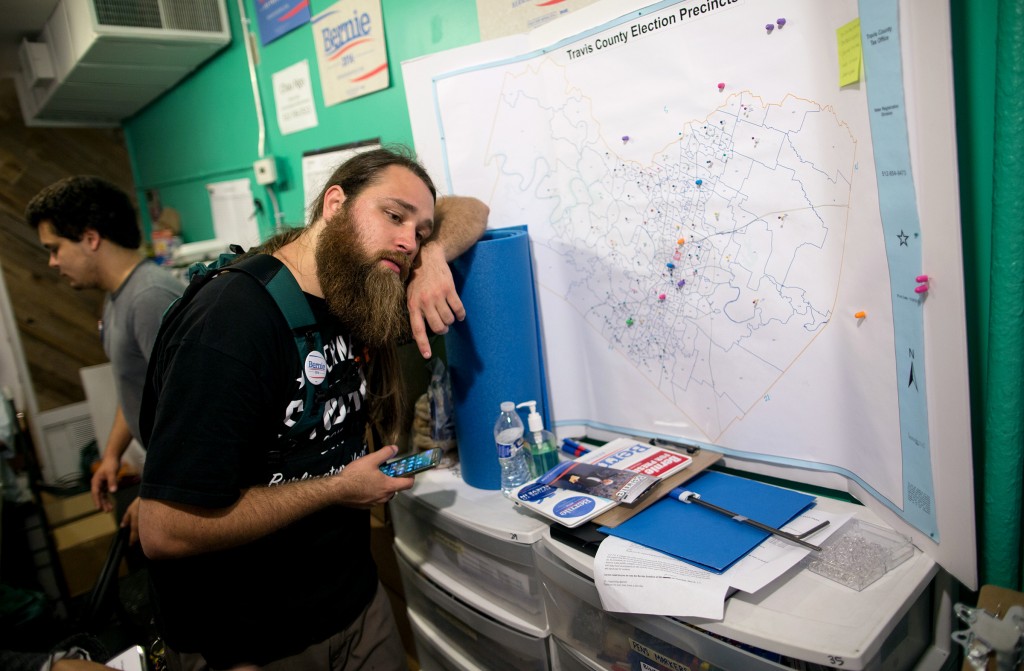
(681, 241)
(860, 315)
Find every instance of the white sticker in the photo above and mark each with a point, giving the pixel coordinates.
(316, 368)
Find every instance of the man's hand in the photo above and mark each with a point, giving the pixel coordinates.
(131, 520)
(433, 302)
(364, 484)
(104, 481)
(432, 299)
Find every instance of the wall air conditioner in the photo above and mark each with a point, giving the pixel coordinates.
(111, 58)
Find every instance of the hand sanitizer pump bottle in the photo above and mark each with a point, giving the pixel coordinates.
(541, 444)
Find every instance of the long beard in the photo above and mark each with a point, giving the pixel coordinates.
(367, 296)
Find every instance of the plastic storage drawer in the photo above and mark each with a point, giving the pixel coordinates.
(567, 658)
(434, 653)
(458, 633)
(495, 575)
(613, 641)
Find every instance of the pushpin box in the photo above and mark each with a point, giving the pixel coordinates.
(859, 554)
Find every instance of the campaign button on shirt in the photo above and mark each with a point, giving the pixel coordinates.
(316, 368)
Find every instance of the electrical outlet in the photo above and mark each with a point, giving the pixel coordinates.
(266, 170)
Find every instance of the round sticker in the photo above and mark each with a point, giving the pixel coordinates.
(574, 507)
(536, 492)
(316, 368)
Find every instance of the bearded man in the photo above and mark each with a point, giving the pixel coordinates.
(260, 550)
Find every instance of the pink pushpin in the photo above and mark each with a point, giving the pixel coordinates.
(921, 288)
(921, 278)
(661, 297)
(721, 86)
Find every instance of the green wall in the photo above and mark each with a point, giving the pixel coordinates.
(205, 130)
(987, 52)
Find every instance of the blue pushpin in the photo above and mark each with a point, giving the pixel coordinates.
(699, 182)
(670, 265)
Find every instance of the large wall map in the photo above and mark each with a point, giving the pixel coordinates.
(703, 204)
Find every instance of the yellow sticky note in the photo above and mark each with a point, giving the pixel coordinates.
(848, 42)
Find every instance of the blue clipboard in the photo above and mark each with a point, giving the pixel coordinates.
(708, 539)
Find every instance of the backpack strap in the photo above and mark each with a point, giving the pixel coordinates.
(291, 301)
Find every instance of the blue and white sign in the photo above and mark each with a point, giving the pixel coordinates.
(277, 17)
(351, 50)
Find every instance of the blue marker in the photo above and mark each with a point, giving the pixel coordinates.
(571, 447)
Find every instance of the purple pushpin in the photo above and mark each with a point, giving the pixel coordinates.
(625, 139)
(681, 283)
(769, 27)
(780, 22)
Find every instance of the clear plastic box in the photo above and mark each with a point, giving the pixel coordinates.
(859, 554)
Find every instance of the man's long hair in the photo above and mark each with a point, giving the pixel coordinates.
(385, 389)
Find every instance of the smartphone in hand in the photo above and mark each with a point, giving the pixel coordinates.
(412, 464)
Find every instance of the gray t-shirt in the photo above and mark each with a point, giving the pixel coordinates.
(131, 320)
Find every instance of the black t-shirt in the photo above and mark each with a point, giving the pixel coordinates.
(226, 381)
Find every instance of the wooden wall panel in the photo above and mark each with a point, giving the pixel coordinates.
(56, 324)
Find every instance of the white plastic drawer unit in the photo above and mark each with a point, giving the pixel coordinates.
(757, 632)
(596, 638)
(453, 635)
(475, 544)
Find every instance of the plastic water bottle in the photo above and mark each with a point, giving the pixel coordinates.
(508, 436)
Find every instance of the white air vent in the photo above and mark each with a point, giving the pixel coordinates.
(64, 432)
(112, 57)
(169, 14)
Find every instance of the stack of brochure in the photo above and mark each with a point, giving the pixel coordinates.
(621, 471)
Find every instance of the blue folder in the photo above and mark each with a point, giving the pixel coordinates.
(709, 539)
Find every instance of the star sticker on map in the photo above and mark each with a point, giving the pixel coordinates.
(903, 239)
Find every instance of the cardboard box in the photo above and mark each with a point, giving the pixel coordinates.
(82, 548)
(63, 509)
